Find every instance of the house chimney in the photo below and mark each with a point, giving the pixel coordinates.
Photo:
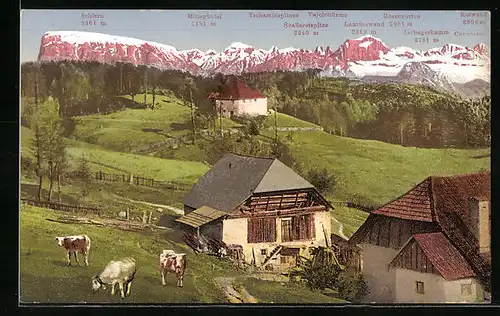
(480, 222)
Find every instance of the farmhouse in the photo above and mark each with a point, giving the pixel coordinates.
(262, 205)
(430, 245)
(237, 99)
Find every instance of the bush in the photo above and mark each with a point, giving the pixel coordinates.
(85, 175)
(322, 180)
(351, 287)
(321, 277)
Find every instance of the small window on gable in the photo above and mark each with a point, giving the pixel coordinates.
(420, 287)
(466, 289)
(263, 252)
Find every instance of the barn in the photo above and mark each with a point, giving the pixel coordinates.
(237, 99)
(262, 205)
(430, 245)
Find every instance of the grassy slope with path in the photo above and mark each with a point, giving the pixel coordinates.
(43, 265)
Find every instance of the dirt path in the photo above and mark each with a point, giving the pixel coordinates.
(234, 294)
(168, 207)
(341, 228)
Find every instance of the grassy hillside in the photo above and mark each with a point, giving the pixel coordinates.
(375, 172)
(130, 129)
(284, 120)
(120, 162)
(43, 266)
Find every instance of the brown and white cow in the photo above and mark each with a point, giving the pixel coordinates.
(75, 244)
(171, 262)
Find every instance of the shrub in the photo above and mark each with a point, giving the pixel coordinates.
(322, 180)
(321, 277)
(351, 287)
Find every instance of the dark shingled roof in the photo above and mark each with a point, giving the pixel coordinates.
(444, 256)
(234, 178)
(201, 216)
(235, 89)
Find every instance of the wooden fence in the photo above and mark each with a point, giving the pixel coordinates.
(63, 207)
(133, 179)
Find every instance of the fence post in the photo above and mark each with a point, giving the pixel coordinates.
(144, 217)
(152, 182)
(149, 217)
(100, 174)
(128, 213)
(131, 178)
(123, 177)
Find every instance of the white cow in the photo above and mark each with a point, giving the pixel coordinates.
(121, 272)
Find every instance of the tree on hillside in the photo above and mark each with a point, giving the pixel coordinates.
(52, 142)
(85, 175)
(37, 141)
(97, 75)
(132, 80)
(187, 91)
(154, 76)
(322, 180)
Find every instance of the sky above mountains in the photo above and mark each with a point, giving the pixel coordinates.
(187, 29)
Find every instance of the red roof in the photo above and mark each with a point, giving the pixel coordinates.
(413, 205)
(452, 193)
(446, 194)
(234, 89)
(444, 200)
(444, 256)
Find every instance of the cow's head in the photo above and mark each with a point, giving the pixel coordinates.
(179, 262)
(60, 241)
(97, 283)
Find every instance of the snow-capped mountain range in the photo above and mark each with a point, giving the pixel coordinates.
(365, 57)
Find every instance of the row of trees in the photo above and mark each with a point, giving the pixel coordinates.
(404, 114)
(42, 115)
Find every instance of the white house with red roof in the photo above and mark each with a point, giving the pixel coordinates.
(430, 245)
(237, 99)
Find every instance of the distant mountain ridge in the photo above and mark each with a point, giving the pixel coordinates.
(450, 67)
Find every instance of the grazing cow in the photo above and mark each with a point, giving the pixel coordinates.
(75, 244)
(172, 262)
(121, 272)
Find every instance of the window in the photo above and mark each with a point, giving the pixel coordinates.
(263, 252)
(466, 289)
(420, 287)
(261, 230)
(254, 100)
(297, 228)
(286, 229)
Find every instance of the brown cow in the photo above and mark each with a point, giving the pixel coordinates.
(75, 244)
(174, 263)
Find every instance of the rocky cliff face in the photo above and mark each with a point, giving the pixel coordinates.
(366, 56)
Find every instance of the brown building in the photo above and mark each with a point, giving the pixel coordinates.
(261, 205)
(430, 245)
